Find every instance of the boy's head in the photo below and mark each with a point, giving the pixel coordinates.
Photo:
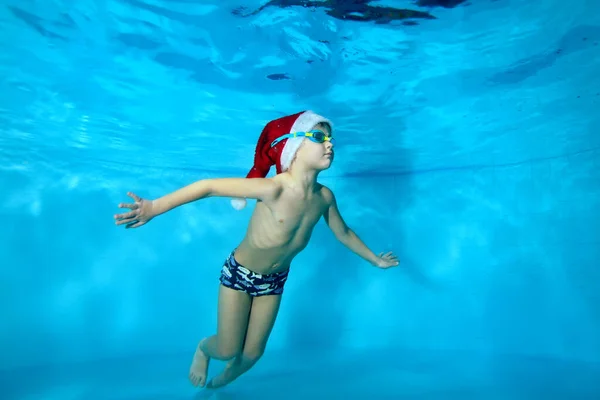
(316, 154)
(305, 137)
(282, 138)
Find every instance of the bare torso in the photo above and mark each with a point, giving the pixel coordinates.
(277, 232)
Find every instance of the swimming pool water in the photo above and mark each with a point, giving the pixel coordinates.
(468, 142)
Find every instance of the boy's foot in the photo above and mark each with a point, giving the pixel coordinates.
(229, 374)
(199, 367)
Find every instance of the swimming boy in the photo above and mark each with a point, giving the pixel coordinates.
(288, 207)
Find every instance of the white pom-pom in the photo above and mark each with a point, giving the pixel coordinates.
(238, 204)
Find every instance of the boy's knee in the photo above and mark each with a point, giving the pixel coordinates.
(229, 352)
(253, 355)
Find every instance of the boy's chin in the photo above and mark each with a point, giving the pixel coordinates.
(325, 165)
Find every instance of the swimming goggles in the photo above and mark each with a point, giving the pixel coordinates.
(314, 136)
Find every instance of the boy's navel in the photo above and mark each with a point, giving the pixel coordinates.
(281, 221)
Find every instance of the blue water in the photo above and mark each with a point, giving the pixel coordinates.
(468, 143)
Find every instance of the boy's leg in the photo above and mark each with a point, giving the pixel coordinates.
(262, 319)
(232, 322)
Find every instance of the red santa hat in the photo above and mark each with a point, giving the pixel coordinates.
(282, 154)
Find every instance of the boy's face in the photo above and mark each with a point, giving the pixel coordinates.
(317, 155)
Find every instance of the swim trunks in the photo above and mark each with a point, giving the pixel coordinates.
(235, 276)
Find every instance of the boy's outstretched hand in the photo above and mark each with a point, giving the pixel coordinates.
(141, 212)
(387, 260)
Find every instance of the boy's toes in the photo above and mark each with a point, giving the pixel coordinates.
(196, 380)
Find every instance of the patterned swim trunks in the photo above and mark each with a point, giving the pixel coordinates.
(235, 276)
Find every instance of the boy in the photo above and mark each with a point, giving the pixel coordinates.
(288, 207)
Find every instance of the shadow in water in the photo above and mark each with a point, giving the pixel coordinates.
(576, 39)
(359, 10)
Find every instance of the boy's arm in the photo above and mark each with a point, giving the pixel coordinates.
(347, 236)
(263, 189)
(143, 210)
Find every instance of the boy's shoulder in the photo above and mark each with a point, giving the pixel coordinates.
(327, 193)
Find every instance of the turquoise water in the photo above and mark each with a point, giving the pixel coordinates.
(468, 142)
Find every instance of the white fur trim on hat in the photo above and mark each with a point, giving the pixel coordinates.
(305, 121)
(238, 204)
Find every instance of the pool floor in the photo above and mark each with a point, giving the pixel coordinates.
(316, 375)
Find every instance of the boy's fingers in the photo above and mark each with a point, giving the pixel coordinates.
(134, 196)
(128, 221)
(125, 215)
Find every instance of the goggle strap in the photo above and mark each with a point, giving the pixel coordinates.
(280, 138)
(295, 134)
